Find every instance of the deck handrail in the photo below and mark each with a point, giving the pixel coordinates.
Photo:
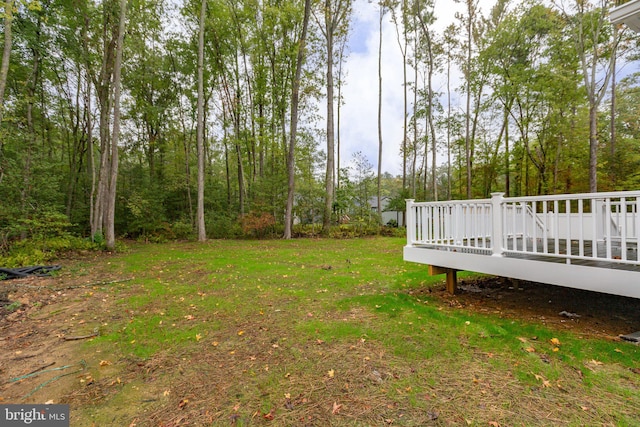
(586, 226)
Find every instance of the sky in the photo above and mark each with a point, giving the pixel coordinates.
(359, 114)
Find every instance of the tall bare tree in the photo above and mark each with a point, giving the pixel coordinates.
(381, 12)
(334, 24)
(402, 37)
(202, 234)
(4, 67)
(295, 100)
(468, 21)
(109, 225)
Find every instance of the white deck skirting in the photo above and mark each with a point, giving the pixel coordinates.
(584, 241)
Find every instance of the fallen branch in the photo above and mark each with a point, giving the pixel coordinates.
(80, 337)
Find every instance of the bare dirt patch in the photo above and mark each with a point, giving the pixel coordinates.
(589, 314)
(39, 363)
(43, 324)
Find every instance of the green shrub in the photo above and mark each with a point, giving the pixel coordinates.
(41, 251)
(221, 226)
(306, 230)
(183, 229)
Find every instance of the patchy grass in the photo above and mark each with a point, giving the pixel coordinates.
(326, 332)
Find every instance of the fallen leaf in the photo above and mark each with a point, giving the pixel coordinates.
(270, 416)
(183, 403)
(331, 373)
(198, 337)
(336, 408)
(215, 343)
(240, 333)
(555, 341)
(522, 339)
(596, 362)
(494, 424)
(105, 363)
(166, 393)
(530, 350)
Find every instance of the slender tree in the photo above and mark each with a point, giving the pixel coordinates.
(202, 234)
(110, 236)
(4, 70)
(295, 100)
(382, 10)
(334, 23)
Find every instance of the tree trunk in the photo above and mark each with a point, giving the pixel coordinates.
(4, 70)
(6, 55)
(379, 210)
(109, 224)
(613, 170)
(329, 176)
(449, 177)
(507, 175)
(467, 138)
(593, 148)
(91, 164)
(32, 83)
(202, 235)
(103, 94)
(295, 98)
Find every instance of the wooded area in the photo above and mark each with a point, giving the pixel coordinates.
(152, 118)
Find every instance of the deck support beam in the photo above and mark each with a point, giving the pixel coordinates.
(452, 277)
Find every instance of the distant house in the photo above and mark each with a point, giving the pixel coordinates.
(386, 214)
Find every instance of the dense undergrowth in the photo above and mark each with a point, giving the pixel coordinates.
(49, 235)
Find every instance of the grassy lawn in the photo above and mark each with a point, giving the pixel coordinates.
(329, 332)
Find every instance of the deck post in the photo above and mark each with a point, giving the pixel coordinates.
(496, 222)
(452, 277)
(411, 221)
(452, 281)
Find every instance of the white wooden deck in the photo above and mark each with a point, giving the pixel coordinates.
(585, 241)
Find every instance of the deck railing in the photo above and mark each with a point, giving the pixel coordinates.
(591, 226)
